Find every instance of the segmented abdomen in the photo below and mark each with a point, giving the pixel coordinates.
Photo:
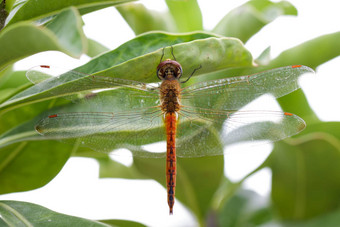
(171, 126)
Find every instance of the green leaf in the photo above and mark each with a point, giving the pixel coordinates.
(296, 102)
(71, 37)
(264, 58)
(26, 166)
(142, 20)
(246, 20)
(15, 213)
(59, 35)
(12, 83)
(112, 169)
(245, 208)
(12, 119)
(186, 14)
(94, 48)
(327, 47)
(328, 219)
(306, 176)
(212, 53)
(117, 222)
(38, 9)
(330, 127)
(13, 79)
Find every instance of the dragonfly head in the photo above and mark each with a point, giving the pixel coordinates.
(169, 70)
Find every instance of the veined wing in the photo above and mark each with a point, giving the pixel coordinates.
(62, 82)
(106, 131)
(235, 92)
(201, 126)
(106, 118)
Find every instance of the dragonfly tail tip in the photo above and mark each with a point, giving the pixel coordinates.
(171, 213)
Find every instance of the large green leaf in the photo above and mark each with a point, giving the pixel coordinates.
(306, 176)
(38, 9)
(63, 33)
(141, 20)
(244, 21)
(15, 213)
(212, 54)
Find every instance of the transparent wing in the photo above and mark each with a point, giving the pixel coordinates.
(128, 114)
(106, 131)
(201, 127)
(63, 82)
(235, 92)
(112, 112)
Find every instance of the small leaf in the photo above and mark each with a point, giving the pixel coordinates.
(327, 47)
(245, 208)
(112, 169)
(328, 219)
(95, 48)
(246, 20)
(264, 58)
(71, 37)
(142, 20)
(187, 15)
(15, 213)
(296, 102)
(116, 222)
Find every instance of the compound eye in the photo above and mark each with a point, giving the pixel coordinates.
(159, 74)
(179, 72)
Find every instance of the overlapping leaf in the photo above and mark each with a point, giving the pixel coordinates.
(34, 10)
(14, 213)
(243, 22)
(63, 33)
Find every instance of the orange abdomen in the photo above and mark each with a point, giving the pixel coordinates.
(171, 126)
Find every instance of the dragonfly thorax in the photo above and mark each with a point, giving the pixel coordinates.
(170, 96)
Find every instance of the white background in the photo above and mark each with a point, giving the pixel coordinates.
(77, 189)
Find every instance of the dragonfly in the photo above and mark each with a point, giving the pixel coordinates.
(118, 113)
